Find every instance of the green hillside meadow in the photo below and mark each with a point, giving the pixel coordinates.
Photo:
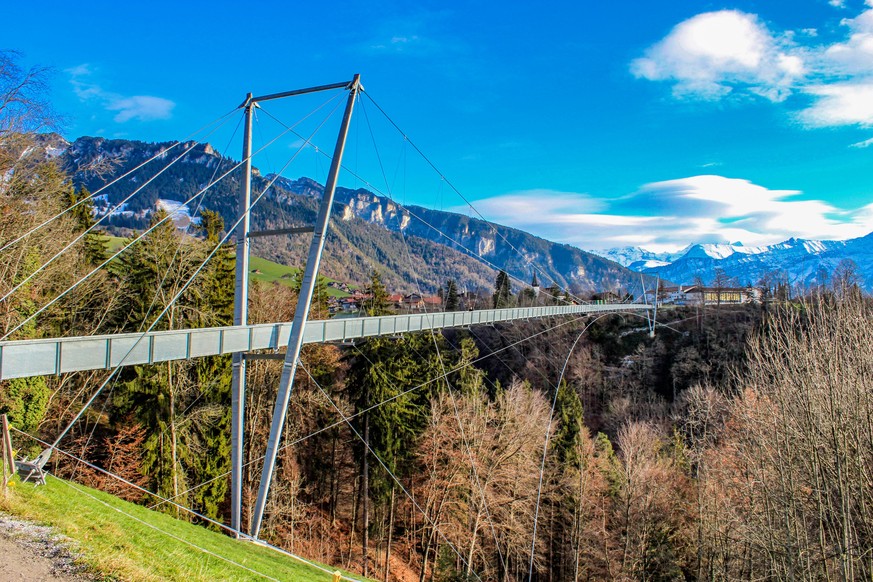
(124, 541)
(261, 270)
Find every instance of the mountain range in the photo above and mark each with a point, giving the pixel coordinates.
(799, 262)
(414, 248)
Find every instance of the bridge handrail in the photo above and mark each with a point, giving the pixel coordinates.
(52, 356)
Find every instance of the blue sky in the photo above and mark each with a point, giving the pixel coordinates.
(599, 124)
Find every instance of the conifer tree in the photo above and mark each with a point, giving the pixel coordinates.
(451, 298)
(502, 291)
(83, 213)
(377, 302)
(383, 372)
(182, 406)
(569, 413)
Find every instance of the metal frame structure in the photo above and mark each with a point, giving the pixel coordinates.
(304, 301)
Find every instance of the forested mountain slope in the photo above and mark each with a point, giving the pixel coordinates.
(441, 245)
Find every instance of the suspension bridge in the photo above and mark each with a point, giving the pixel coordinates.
(245, 341)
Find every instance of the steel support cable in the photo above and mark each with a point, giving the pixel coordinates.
(377, 405)
(117, 477)
(503, 338)
(469, 450)
(458, 192)
(203, 264)
(161, 286)
(481, 489)
(465, 441)
(175, 298)
(347, 421)
(168, 534)
(174, 504)
(170, 215)
(546, 443)
(406, 245)
(91, 228)
(105, 186)
(140, 237)
(460, 246)
(112, 258)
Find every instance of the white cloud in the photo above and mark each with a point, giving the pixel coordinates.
(414, 34)
(531, 204)
(668, 215)
(141, 107)
(714, 53)
(837, 3)
(135, 107)
(840, 104)
(852, 57)
(717, 54)
(863, 144)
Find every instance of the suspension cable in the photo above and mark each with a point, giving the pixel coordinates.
(460, 247)
(161, 286)
(348, 422)
(230, 232)
(138, 238)
(88, 230)
(442, 176)
(385, 401)
(176, 505)
(160, 153)
(546, 443)
(480, 487)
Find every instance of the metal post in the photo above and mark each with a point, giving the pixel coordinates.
(304, 300)
(240, 317)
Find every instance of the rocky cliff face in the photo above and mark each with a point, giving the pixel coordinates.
(520, 253)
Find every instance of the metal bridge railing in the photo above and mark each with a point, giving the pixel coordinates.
(43, 357)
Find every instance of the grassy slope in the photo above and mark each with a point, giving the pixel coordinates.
(267, 271)
(120, 547)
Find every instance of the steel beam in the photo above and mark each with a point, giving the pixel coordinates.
(316, 89)
(240, 317)
(281, 231)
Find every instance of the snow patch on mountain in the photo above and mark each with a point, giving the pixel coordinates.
(181, 214)
(627, 256)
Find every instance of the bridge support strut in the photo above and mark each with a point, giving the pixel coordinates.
(301, 313)
(240, 317)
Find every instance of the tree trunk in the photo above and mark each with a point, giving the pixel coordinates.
(365, 494)
(174, 453)
(390, 535)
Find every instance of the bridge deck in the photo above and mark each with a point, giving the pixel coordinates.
(41, 357)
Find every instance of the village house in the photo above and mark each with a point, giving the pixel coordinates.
(700, 295)
(418, 302)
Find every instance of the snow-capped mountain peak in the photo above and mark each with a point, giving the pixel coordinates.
(798, 261)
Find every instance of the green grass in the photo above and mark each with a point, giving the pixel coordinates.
(260, 270)
(116, 542)
(269, 272)
(113, 243)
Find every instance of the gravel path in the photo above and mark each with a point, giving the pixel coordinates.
(35, 552)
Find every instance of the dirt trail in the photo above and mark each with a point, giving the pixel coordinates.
(34, 552)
